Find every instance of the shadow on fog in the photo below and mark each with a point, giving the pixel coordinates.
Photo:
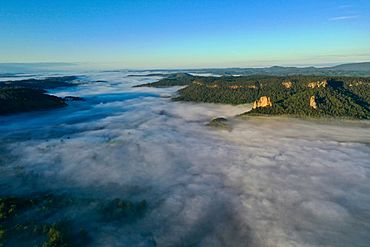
(267, 182)
(42, 124)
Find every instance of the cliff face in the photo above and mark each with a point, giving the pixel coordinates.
(313, 103)
(264, 101)
(287, 84)
(318, 84)
(343, 97)
(198, 83)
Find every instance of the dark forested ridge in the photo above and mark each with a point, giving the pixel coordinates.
(47, 83)
(175, 79)
(14, 100)
(36, 219)
(30, 95)
(299, 95)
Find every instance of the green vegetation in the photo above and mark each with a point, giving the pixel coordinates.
(331, 102)
(47, 83)
(220, 123)
(177, 79)
(14, 100)
(40, 220)
(347, 97)
(30, 95)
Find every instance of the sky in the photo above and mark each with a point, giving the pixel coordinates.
(185, 33)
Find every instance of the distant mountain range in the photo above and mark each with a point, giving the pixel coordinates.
(365, 67)
(351, 69)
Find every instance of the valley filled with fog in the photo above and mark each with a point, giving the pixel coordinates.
(265, 182)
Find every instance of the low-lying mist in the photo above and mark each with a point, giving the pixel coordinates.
(267, 182)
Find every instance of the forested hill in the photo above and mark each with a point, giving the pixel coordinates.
(175, 79)
(15, 100)
(315, 96)
(47, 83)
(359, 67)
(30, 95)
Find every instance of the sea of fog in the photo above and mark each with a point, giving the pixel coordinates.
(267, 182)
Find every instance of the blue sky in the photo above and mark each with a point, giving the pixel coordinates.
(185, 33)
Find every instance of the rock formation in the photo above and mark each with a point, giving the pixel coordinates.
(220, 122)
(318, 84)
(264, 101)
(313, 103)
(198, 83)
(287, 84)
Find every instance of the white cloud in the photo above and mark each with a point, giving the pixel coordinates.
(345, 17)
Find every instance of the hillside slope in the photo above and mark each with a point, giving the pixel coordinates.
(316, 96)
(14, 100)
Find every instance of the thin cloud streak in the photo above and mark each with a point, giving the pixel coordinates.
(346, 17)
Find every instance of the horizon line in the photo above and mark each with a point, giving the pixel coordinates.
(323, 65)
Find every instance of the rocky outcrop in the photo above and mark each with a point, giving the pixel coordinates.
(264, 101)
(317, 84)
(243, 86)
(220, 123)
(198, 83)
(235, 86)
(358, 83)
(313, 103)
(287, 84)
